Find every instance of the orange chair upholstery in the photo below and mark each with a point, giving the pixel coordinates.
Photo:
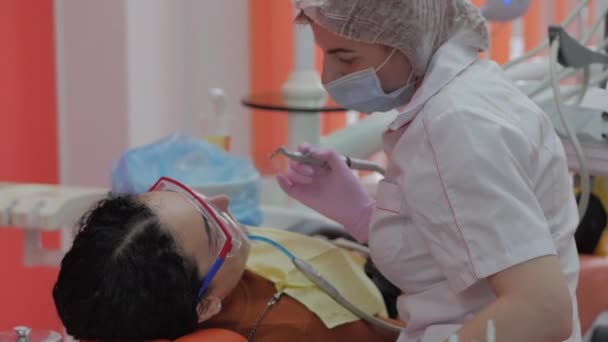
(592, 289)
(205, 335)
(212, 335)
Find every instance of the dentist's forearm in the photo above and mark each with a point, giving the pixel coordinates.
(533, 304)
(513, 319)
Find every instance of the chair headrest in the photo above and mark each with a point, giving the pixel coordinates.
(204, 335)
(212, 335)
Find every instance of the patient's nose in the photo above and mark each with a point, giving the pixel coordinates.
(221, 201)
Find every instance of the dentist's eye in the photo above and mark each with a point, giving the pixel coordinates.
(347, 60)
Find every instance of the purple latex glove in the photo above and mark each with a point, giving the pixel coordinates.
(333, 191)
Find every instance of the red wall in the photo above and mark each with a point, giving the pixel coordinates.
(271, 37)
(28, 149)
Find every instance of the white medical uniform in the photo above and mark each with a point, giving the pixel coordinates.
(477, 182)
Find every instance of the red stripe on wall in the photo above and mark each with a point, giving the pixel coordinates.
(272, 56)
(562, 7)
(501, 34)
(534, 34)
(591, 19)
(28, 148)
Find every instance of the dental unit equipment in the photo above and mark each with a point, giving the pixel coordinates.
(353, 163)
(545, 44)
(569, 53)
(40, 207)
(567, 104)
(316, 278)
(26, 334)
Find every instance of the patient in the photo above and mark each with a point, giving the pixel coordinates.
(136, 267)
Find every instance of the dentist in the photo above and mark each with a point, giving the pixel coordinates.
(475, 218)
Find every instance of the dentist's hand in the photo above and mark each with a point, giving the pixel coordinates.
(333, 191)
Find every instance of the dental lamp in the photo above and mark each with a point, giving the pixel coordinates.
(505, 10)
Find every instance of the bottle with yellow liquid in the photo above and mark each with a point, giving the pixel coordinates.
(216, 124)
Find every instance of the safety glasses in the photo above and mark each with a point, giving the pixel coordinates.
(224, 231)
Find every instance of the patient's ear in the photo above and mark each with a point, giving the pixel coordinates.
(208, 307)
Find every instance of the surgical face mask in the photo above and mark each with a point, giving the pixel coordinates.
(362, 91)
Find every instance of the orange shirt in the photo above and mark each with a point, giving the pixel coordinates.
(286, 320)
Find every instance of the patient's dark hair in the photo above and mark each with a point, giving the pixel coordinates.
(124, 277)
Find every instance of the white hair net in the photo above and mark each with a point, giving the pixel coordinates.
(417, 28)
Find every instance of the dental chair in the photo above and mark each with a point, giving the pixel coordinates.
(207, 335)
(592, 296)
(592, 291)
(212, 335)
(310, 228)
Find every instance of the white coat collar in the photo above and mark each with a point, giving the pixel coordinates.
(456, 55)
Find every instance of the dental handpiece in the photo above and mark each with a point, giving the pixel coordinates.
(353, 163)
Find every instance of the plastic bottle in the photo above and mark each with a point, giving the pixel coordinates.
(216, 125)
